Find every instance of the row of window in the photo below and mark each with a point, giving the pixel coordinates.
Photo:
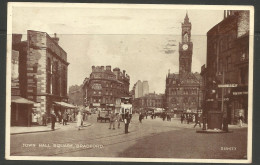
(224, 43)
(103, 100)
(184, 92)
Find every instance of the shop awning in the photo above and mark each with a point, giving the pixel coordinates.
(21, 100)
(66, 105)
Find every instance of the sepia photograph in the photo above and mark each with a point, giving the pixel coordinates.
(129, 82)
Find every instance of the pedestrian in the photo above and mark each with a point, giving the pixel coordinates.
(197, 120)
(127, 121)
(182, 118)
(44, 118)
(112, 120)
(188, 118)
(79, 118)
(53, 120)
(140, 117)
(59, 117)
(119, 118)
(64, 118)
(169, 117)
(146, 115)
(240, 118)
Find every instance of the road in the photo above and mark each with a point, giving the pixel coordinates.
(149, 139)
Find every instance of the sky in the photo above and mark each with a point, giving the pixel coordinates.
(144, 42)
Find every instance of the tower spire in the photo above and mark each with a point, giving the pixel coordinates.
(186, 19)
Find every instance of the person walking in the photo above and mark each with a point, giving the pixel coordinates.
(53, 120)
(140, 117)
(44, 119)
(127, 121)
(112, 120)
(64, 118)
(197, 120)
(79, 118)
(182, 118)
(240, 118)
(118, 119)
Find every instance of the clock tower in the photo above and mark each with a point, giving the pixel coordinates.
(185, 47)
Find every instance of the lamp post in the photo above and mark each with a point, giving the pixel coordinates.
(222, 90)
(198, 97)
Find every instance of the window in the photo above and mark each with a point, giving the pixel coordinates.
(229, 63)
(186, 37)
(220, 65)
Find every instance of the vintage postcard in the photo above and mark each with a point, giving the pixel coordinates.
(129, 82)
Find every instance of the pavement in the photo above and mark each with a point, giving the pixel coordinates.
(39, 128)
(149, 139)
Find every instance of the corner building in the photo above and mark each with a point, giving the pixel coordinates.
(104, 87)
(227, 63)
(42, 70)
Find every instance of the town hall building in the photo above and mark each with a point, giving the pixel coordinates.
(182, 93)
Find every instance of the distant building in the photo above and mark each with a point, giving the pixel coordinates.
(182, 91)
(140, 88)
(76, 95)
(227, 63)
(42, 71)
(104, 87)
(145, 88)
(151, 100)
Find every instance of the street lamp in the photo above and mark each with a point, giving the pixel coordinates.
(198, 97)
(222, 90)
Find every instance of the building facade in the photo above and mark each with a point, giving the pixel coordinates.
(183, 89)
(227, 65)
(76, 95)
(104, 87)
(140, 89)
(42, 70)
(151, 100)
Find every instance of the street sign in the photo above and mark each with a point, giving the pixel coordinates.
(227, 85)
(240, 93)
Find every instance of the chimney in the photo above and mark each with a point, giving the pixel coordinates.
(93, 68)
(55, 38)
(16, 38)
(108, 68)
(124, 73)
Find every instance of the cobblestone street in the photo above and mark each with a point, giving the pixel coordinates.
(150, 139)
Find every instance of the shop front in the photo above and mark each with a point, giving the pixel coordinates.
(21, 111)
(238, 104)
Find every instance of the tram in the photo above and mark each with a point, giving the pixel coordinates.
(126, 106)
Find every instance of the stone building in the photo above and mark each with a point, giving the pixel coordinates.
(42, 71)
(182, 93)
(140, 89)
(227, 63)
(150, 100)
(104, 87)
(76, 95)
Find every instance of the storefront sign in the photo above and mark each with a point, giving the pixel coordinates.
(227, 85)
(96, 104)
(240, 93)
(209, 100)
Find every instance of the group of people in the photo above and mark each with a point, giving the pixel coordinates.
(189, 118)
(65, 117)
(117, 118)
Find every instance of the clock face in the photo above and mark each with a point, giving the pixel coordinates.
(185, 47)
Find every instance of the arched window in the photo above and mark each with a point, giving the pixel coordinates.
(186, 37)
